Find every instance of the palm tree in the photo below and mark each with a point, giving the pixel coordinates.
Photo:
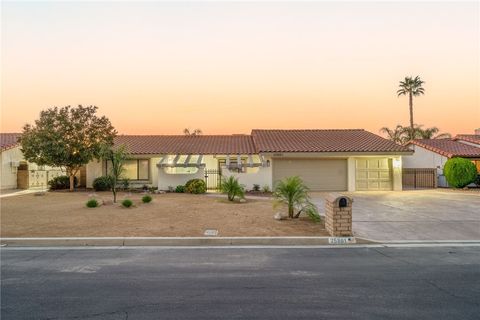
(397, 135)
(430, 133)
(292, 192)
(232, 188)
(195, 132)
(412, 87)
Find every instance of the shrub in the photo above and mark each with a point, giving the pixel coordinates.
(92, 203)
(196, 186)
(61, 182)
(103, 183)
(127, 203)
(459, 172)
(180, 189)
(266, 188)
(232, 188)
(256, 187)
(126, 184)
(147, 198)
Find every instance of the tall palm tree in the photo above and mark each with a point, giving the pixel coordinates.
(412, 87)
(195, 132)
(397, 134)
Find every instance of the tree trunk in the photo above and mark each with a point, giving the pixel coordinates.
(290, 212)
(114, 190)
(410, 103)
(72, 181)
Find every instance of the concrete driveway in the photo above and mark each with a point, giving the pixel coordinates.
(414, 215)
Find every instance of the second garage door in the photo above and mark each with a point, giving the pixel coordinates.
(318, 174)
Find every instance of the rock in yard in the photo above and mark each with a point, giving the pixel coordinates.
(280, 216)
(242, 200)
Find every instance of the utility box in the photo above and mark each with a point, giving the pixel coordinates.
(338, 215)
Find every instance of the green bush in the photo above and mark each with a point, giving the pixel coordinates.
(196, 186)
(147, 198)
(92, 203)
(127, 203)
(266, 189)
(180, 189)
(61, 182)
(256, 187)
(232, 188)
(103, 183)
(459, 172)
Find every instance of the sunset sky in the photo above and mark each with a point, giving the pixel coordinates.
(158, 67)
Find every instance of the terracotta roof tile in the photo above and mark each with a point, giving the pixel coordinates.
(180, 144)
(448, 147)
(8, 140)
(473, 138)
(346, 140)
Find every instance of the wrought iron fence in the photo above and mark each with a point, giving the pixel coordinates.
(213, 179)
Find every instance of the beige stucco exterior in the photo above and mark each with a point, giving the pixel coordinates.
(263, 176)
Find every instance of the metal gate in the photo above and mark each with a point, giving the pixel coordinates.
(213, 179)
(38, 179)
(419, 178)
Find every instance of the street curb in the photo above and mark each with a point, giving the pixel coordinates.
(171, 241)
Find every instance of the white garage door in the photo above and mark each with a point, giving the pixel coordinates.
(318, 174)
(373, 174)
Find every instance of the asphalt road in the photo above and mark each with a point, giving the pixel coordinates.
(238, 283)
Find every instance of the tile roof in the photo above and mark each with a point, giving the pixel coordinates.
(8, 140)
(448, 147)
(347, 140)
(181, 144)
(473, 138)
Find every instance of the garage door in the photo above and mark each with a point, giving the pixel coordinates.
(373, 174)
(318, 174)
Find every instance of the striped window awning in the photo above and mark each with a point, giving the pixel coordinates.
(182, 160)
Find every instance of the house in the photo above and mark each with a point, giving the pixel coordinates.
(470, 139)
(433, 153)
(10, 157)
(327, 160)
(16, 172)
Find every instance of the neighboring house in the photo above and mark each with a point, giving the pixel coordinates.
(10, 157)
(16, 172)
(433, 153)
(327, 160)
(470, 139)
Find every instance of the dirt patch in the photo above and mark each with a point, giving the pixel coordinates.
(63, 214)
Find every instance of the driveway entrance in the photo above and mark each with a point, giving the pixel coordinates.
(414, 215)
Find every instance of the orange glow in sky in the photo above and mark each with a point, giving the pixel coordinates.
(159, 67)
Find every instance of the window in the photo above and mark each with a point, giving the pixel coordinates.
(134, 169)
(180, 170)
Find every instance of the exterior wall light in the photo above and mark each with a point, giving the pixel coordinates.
(397, 163)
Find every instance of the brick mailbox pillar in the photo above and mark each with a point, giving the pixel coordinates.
(338, 215)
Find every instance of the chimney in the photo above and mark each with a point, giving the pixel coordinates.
(477, 132)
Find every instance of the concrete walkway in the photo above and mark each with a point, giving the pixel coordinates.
(414, 215)
(18, 192)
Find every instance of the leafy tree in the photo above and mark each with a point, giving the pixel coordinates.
(459, 172)
(413, 88)
(292, 192)
(430, 133)
(195, 132)
(232, 188)
(67, 137)
(115, 158)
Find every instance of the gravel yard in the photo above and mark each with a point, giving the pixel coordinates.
(64, 214)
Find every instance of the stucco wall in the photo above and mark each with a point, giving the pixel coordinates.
(8, 174)
(261, 177)
(423, 158)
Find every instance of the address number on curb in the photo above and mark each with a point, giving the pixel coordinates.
(341, 240)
